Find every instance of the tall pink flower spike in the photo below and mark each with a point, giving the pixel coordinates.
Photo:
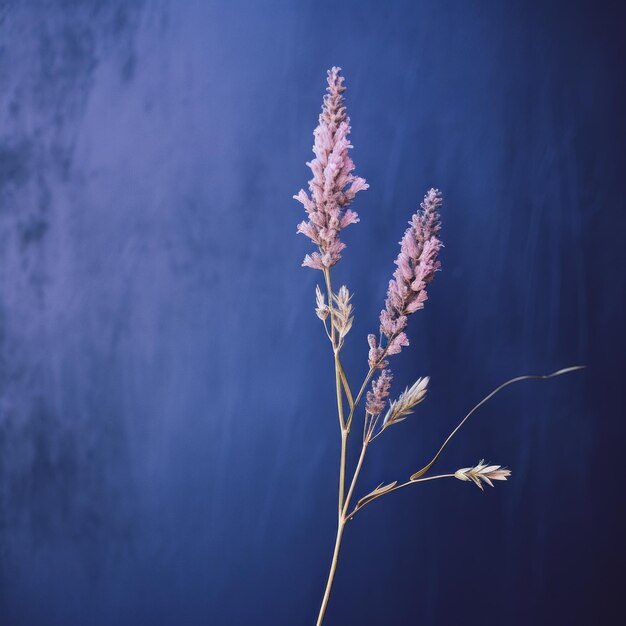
(333, 185)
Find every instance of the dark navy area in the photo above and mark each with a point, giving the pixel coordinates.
(168, 439)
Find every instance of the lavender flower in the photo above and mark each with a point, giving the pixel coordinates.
(377, 397)
(333, 186)
(416, 266)
(331, 191)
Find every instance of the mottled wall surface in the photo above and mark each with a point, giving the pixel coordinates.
(168, 447)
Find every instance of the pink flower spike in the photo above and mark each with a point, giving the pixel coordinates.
(333, 186)
(416, 266)
(377, 397)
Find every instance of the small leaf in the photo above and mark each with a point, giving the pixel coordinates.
(379, 491)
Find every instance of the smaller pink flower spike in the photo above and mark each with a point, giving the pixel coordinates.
(416, 265)
(377, 397)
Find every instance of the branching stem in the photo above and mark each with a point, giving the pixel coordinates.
(349, 516)
(343, 388)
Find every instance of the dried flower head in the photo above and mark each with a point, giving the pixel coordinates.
(376, 356)
(342, 312)
(416, 264)
(377, 397)
(408, 400)
(321, 308)
(482, 473)
(333, 186)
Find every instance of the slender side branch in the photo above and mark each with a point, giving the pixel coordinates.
(358, 397)
(336, 349)
(342, 472)
(329, 296)
(349, 516)
(340, 383)
(517, 379)
(367, 379)
(338, 388)
(355, 477)
(346, 386)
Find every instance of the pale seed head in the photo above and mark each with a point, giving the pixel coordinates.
(321, 308)
(342, 312)
(408, 400)
(482, 473)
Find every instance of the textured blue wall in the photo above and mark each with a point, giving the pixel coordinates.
(168, 447)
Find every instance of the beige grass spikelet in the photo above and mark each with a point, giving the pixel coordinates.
(482, 473)
(401, 408)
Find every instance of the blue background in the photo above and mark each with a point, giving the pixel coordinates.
(168, 442)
